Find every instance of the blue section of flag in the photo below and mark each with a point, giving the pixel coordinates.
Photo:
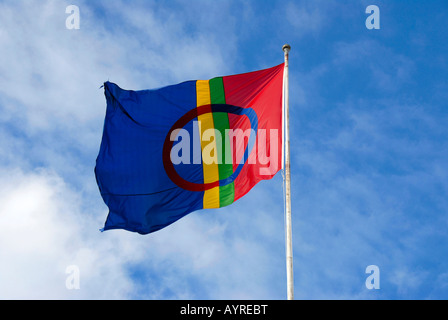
(129, 168)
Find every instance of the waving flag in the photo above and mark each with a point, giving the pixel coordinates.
(196, 145)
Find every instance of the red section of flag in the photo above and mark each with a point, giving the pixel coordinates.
(262, 91)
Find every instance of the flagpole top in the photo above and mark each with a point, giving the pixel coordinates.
(286, 48)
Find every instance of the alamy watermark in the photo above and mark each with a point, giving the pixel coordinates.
(73, 21)
(373, 20)
(240, 146)
(72, 282)
(373, 280)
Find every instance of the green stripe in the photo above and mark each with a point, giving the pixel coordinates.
(221, 122)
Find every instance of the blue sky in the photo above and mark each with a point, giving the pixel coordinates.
(368, 143)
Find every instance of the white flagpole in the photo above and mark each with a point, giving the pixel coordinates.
(288, 223)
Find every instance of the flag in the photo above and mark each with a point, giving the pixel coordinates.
(196, 145)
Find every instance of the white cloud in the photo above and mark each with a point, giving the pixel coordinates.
(43, 231)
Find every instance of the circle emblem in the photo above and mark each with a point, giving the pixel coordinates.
(191, 115)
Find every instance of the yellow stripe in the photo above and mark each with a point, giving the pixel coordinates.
(209, 159)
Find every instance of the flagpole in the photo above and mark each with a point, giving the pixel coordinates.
(288, 222)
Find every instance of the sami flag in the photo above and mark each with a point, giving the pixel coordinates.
(196, 145)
